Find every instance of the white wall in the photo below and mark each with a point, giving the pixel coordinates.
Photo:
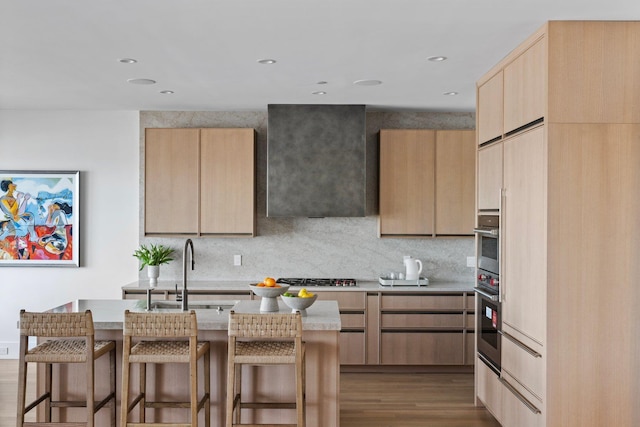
(104, 147)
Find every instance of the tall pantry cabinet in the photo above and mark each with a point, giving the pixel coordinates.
(570, 225)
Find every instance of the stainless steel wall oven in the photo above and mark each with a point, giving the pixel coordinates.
(488, 308)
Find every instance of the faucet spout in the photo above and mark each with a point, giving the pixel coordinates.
(188, 246)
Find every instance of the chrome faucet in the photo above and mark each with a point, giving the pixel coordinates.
(185, 295)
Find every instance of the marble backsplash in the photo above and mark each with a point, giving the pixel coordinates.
(312, 247)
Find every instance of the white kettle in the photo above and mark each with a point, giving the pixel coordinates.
(413, 268)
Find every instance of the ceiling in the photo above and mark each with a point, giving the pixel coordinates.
(64, 54)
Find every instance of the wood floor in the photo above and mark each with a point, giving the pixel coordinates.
(366, 399)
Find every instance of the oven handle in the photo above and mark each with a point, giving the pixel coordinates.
(490, 232)
(486, 294)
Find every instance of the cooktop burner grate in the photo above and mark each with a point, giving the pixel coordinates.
(317, 282)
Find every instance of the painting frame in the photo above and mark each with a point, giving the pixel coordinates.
(39, 218)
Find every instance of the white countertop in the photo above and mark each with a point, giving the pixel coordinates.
(109, 314)
(363, 285)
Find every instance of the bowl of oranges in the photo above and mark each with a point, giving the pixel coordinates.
(269, 290)
(299, 301)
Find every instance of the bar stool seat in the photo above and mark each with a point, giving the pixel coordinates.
(65, 347)
(165, 329)
(264, 339)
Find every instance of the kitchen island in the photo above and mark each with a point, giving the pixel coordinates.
(321, 329)
(429, 327)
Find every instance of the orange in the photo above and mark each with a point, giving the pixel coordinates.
(261, 285)
(270, 282)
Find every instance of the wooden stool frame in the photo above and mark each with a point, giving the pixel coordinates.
(264, 339)
(62, 327)
(164, 328)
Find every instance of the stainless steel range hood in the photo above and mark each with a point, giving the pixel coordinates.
(316, 161)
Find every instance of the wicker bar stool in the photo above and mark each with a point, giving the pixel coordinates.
(73, 342)
(165, 329)
(264, 339)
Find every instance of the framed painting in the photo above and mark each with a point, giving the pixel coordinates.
(39, 218)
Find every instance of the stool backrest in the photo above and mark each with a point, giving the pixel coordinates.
(265, 325)
(56, 324)
(160, 325)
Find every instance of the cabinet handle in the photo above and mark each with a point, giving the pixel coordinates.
(521, 344)
(520, 397)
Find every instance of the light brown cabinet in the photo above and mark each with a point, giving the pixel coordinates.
(407, 190)
(524, 235)
(419, 329)
(569, 227)
(352, 306)
(171, 181)
(426, 182)
(525, 87)
(455, 182)
(490, 109)
(200, 182)
(489, 177)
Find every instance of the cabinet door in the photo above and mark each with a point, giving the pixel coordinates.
(171, 181)
(407, 182)
(421, 348)
(490, 177)
(488, 389)
(490, 109)
(455, 182)
(525, 87)
(523, 235)
(227, 190)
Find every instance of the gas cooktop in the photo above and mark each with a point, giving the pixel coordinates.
(317, 282)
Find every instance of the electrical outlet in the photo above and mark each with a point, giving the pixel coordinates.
(471, 261)
(237, 260)
(4, 351)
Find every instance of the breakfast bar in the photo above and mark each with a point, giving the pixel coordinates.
(321, 328)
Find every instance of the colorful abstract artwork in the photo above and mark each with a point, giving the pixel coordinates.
(39, 218)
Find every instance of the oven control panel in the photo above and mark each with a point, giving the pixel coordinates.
(488, 280)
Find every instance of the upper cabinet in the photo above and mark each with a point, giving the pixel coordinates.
(455, 182)
(490, 108)
(525, 87)
(427, 181)
(407, 179)
(200, 182)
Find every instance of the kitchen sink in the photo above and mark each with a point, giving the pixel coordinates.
(195, 305)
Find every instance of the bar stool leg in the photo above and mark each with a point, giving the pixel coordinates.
(112, 386)
(22, 383)
(124, 396)
(143, 392)
(207, 388)
(48, 379)
(230, 394)
(90, 402)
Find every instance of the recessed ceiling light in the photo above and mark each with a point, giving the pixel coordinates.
(167, 92)
(367, 82)
(437, 58)
(450, 93)
(320, 92)
(127, 60)
(266, 61)
(141, 81)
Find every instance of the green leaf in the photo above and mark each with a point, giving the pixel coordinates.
(153, 255)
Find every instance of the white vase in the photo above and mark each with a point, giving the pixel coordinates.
(153, 271)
